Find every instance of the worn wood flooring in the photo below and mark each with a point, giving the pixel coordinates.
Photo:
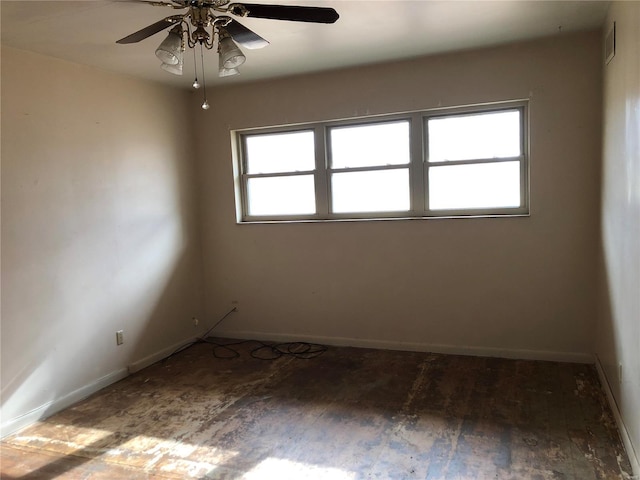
(345, 415)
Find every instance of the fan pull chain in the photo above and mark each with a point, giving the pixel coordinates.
(195, 83)
(205, 104)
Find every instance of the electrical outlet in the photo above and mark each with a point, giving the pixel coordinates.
(236, 305)
(195, 321)
(119, 337)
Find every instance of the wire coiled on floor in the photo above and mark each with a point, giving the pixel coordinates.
(263, 350)
(268, 351)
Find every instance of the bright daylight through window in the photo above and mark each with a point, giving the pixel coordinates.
(449, 162)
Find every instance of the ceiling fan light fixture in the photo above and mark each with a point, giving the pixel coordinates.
(170, 50)
(175, 69)
(205, 19)
(230, 55)
(225, 72)
(228, 72)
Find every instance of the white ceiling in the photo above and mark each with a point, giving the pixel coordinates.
(368, 31)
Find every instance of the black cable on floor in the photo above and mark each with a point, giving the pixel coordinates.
(268, 351)
(201, 339)
(264, 351)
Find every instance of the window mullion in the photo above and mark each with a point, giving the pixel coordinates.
(321, 174)
(525, 169)
(244, 194)
(416, 166)
(424, 131)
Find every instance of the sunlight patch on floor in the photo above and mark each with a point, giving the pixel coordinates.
(282, 468)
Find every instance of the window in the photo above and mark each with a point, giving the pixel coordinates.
(366, 160)
(279, 174)
(451, 162)
(475, 160)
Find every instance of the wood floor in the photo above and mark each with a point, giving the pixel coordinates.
(345, 415)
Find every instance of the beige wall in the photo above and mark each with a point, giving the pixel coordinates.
(618, 332)
(99, 229)
(100, 225)
(507, 286)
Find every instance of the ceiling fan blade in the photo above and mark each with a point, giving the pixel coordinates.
(244, 36)
(285, 12)
(159, 3)
(151, 29)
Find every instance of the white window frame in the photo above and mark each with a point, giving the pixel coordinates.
(246, 176)
(418, 167)
(329, 170)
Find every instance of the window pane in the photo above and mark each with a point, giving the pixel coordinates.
(370, 145)
(488, 185)
(293, 195)
(280, 152)
(465, 137)
(373, 191)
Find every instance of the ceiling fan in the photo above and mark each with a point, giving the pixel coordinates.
(204, 19)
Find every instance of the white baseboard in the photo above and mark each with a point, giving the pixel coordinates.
(54, 406)
(572, 357)
(156, 357)
(49, 408)
(622, 428)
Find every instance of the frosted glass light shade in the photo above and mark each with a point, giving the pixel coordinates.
(225, 72)
(175, 69)
(230, 54)
(170, 50)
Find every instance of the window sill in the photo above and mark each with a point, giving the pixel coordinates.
(377, 219)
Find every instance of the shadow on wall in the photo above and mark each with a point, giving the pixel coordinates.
(607, 341)
(614, 340)
(162, 296)
(148, 286)
(99, 229)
